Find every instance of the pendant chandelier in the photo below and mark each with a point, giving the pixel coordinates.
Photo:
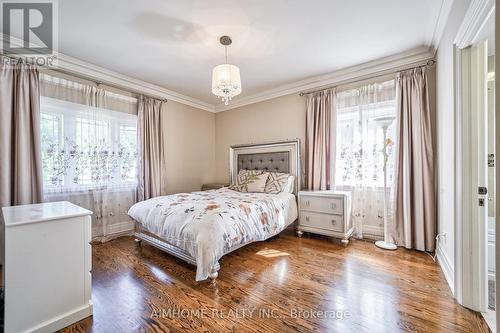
(226, 82)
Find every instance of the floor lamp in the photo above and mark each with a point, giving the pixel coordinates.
(386, 244)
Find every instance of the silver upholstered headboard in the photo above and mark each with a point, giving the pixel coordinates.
(278, 161)
(282, 156)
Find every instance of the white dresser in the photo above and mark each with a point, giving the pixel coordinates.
(47, 263)
(325, 212)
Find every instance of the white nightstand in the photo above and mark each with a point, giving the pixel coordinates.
(327, 213)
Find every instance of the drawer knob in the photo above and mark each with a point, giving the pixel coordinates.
(308, 203)
(307, 218)
(333, 221)
(333, 205)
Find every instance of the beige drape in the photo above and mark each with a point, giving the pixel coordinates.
(414, 196)
(20, 155)
(320, 131)
(152, 170)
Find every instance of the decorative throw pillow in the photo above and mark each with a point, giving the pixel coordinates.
(250, 181)
(259, 184)
(277, 182)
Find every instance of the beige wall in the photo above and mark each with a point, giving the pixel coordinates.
(277, 119)
(190, 147)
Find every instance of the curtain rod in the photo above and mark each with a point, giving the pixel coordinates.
(96, 82)
(429, 63)
(99, 83)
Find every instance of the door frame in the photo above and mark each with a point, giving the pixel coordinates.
(468, 236)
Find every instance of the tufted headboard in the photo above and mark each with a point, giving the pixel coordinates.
(283, 156)
(278, 161)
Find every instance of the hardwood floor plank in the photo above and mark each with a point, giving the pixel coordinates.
(277, 286)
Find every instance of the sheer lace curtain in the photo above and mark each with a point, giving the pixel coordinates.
(363, 114)
(89, 151)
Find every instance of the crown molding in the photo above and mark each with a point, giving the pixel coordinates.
(434, 38)
(93, 72)
(105, 76)
(476, 15)
(379, 66)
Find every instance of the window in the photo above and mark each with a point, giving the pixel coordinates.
(84, 146)
(52, 140)
(128, 151)
(363, 115)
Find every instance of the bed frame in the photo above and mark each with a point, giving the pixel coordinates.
(281, 156)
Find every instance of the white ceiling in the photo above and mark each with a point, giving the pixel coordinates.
(174, 44)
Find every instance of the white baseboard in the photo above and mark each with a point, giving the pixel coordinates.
(447, 268)
(121, 227)
(374, 232)
(114, 230)
(64, 320)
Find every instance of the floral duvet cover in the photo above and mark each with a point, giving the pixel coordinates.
(209, 224)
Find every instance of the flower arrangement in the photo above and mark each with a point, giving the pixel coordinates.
(387, 150)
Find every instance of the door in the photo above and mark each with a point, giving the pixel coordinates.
(474, 200)
(478, 124)
(475, 182)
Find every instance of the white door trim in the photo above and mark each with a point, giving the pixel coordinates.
(468, 236)
(462, 197)
(477, 14)
(480, 150)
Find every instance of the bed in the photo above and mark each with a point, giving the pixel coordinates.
(201, 227)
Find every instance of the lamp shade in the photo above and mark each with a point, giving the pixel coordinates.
(226, 82)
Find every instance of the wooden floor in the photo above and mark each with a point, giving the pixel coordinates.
(276, 286)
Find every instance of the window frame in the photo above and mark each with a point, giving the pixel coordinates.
(69, 112)
(352, 115)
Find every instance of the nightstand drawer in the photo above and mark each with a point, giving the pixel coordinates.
(322, 221)
(322, 204)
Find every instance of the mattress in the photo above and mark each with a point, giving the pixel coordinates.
(209, 224)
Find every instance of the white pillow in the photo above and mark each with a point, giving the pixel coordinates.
(290, 185)
(250, 181)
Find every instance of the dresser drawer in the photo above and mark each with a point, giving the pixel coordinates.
(322, 204)
(322, 221)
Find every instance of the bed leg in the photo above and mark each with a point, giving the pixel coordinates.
(214, 273)
(138, 241)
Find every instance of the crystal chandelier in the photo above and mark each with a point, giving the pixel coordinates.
(226, 82)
